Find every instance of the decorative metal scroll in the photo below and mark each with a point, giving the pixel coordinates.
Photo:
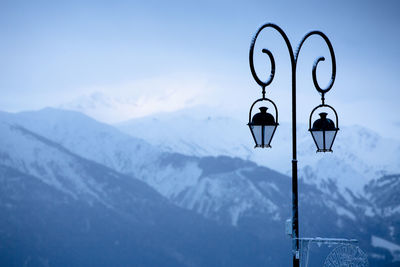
(293, 59)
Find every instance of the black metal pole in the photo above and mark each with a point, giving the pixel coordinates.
(264, 84)
(295, 196)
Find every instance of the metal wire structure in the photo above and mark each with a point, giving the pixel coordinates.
(345, 254)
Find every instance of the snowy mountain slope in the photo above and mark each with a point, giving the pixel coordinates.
(61, 209)
(191, 132)
(387, 245)
(54, 165)
(228, 190)
(104, 145)
(172, 175)
(223, 192)
(383, 193)
(190, 182)
(41, 226)
(86, 137)
(359, 154)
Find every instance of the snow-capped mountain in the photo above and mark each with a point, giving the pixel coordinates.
(60, 209)
(359, 156)
(84, 135)
(233, 192)
(179, 178)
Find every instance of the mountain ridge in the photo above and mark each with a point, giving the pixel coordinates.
(50, 218)
(355, 158)
(231, 192)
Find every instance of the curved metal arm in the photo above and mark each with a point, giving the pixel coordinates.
(293, 58)
(266, 51)
(314, 69)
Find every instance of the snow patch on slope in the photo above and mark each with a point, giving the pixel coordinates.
(383, 243)
(231, 194)
(172, 181)
(31, 154)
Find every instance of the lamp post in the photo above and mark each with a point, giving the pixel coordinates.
(263, 125)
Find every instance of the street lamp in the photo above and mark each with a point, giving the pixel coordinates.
(263, 124)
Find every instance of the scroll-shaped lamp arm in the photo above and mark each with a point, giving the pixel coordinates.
(316, 62)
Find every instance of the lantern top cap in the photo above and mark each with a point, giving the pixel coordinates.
(263, 118)
(323, 123)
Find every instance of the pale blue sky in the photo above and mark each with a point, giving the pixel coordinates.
(52, 52)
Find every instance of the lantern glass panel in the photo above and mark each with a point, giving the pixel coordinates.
(319, 139)
(268, 132)
(257, 131)
(329, 137)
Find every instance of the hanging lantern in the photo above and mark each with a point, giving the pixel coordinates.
(262, 127)
(324, 132)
